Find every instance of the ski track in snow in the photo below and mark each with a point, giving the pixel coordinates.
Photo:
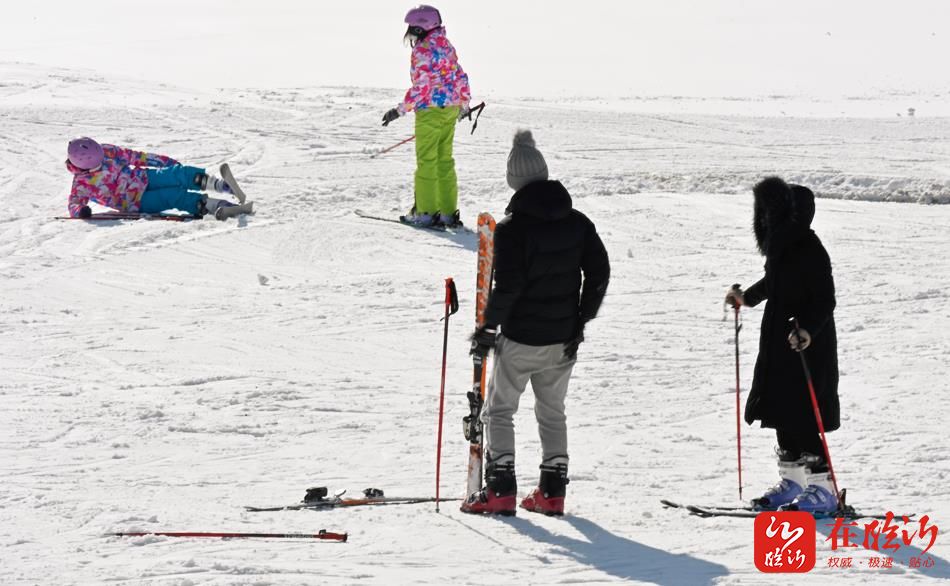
(159, 376)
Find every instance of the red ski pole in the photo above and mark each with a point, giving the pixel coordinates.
(814, 406)
(738, 410)
(397, 145)
(451, 306)
(323, 534)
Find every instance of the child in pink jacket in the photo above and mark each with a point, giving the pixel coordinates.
(136, 181)
(440, 96)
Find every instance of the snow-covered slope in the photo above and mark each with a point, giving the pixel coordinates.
(159, 376)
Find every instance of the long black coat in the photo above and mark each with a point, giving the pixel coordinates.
(542, 248)
(797, 283)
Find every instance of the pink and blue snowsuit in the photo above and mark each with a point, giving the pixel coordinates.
(439, 89)
(136, 181)
(437, 78)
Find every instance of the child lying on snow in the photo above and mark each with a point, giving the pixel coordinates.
(135, 181)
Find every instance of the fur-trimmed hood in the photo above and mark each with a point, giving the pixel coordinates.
(783, 213)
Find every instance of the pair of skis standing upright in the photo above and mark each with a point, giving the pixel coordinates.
(472, 425)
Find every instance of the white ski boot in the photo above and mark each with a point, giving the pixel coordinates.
(818, 497)
(232, 183)
(223, 209)
(230, 210)
(793, 478)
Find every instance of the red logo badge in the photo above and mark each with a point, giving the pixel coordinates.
(784, 542)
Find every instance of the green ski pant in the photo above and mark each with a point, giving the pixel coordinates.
(436, 183)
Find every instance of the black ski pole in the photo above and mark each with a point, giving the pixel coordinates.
(478, 112)
(738, 326)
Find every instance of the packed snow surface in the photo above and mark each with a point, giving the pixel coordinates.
(160, 376)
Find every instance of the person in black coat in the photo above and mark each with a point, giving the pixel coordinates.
(798, 284)
(551, 273)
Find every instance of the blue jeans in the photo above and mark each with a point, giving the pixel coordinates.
(172, 188)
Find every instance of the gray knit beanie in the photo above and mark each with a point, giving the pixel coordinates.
(525, 162)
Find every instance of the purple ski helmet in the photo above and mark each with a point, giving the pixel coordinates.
(85, 153)
(425, 17)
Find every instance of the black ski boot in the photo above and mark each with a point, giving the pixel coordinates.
(499, 495)
(548, 497)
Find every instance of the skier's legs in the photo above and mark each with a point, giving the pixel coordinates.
(448, 193)
(550, 389)
(427, 158)
(177, 176)
(158, 200)
(794, 443)
(508, 381)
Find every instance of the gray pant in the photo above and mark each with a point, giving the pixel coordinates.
(549, 373)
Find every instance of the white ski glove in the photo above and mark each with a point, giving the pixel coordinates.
(799, 339)
(734, 296)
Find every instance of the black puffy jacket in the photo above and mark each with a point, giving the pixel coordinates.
(542, 249)
(797, 283)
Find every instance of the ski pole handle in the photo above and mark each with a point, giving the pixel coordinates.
(736, 289)
(478, 110)
(799, 338)
(726, 304)
(451, 298)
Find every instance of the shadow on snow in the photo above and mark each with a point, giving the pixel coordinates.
(622, 557)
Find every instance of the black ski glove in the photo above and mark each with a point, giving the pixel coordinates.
(390, 115)
(85, 212)
(483, 340)
(570, 348)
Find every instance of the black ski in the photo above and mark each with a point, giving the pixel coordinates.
(749, 512)
(400, 220)
(317, 499)
(674, 505)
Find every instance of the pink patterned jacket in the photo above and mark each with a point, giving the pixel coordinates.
(437, 78)
(118, 183)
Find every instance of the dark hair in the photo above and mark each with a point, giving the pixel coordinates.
(415, 34)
